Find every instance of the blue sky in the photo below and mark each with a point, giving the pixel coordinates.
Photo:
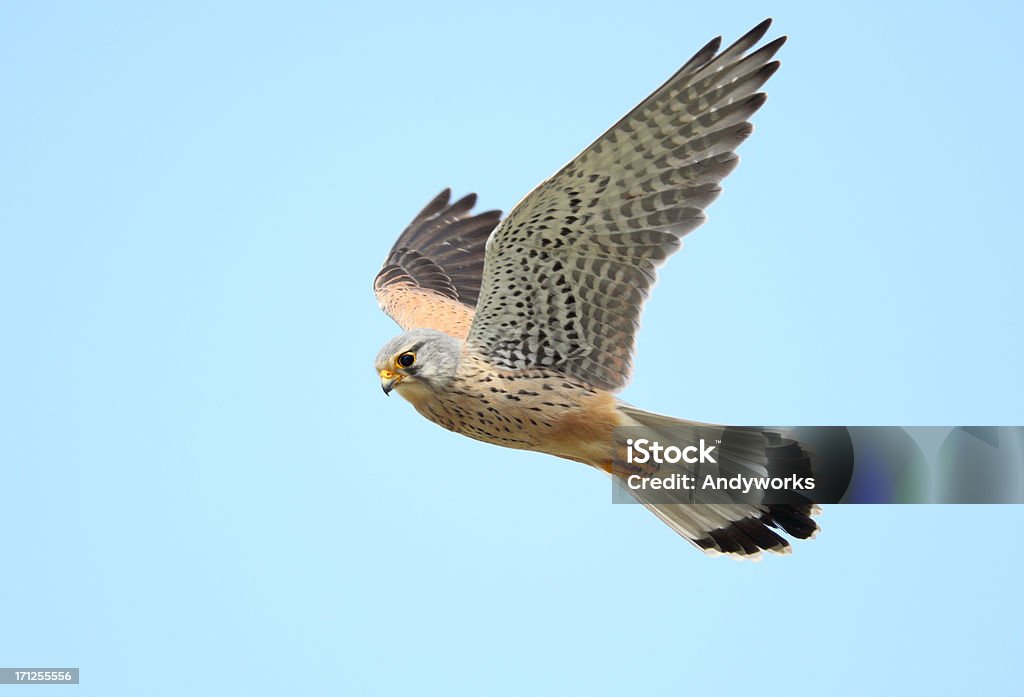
(204, 490)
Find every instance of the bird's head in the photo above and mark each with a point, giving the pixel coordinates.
(421, 358)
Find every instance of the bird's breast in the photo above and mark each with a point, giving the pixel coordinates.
(527, 409)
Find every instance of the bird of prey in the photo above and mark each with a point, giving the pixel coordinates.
(519, 332)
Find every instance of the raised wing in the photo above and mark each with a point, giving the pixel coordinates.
(431, 278)
(567, 272)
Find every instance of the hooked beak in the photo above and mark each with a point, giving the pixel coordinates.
(388, 380)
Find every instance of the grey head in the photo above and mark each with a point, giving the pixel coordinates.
(421, 357)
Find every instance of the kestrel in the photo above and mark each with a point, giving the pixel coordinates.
(520, 331)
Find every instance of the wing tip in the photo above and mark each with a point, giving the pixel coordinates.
(702, 57)
(761, 28)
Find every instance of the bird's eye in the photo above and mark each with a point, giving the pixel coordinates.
(406, 360)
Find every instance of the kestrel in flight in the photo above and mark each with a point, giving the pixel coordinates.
(520, 331)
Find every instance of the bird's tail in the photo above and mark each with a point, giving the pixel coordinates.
(720, 522)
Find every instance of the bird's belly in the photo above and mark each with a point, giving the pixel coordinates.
(485, 420)
(572, 423)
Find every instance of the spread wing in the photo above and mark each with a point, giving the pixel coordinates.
(566, 273)
(431, 277)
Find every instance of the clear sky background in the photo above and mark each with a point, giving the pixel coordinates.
(204, 490)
